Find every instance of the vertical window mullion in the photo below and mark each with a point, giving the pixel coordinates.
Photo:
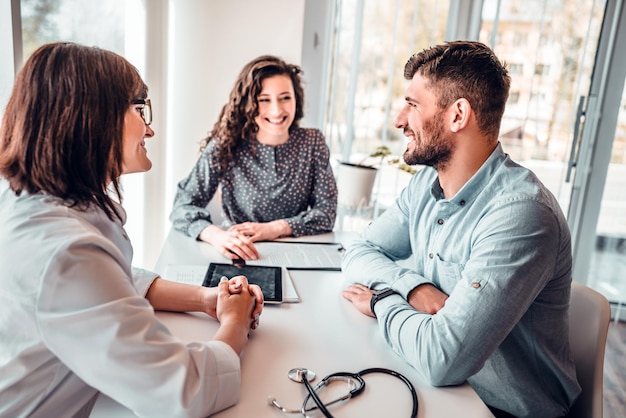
(353, 81)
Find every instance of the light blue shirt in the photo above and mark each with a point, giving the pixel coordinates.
(500, 248)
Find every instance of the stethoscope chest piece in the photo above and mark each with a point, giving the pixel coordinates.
(298, 373)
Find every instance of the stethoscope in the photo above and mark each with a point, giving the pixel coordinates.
(354, 380)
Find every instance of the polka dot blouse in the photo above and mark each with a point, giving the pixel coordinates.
(293, 181)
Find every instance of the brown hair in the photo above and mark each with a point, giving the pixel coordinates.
(236, 124)
(464, 69)
(62, 130)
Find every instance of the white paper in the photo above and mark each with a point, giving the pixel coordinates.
(299, 255)
(188, 274)
(289, 290)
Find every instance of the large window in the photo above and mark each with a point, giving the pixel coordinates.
(99, 23)
(557, 53)
(372, 43)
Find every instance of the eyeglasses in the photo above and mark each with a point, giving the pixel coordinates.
(145, 110)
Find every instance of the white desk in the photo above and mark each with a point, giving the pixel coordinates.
(323, 332)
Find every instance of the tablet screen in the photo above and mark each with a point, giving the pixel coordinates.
(267, 278)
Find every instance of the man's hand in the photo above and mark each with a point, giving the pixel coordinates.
(360, 297)
(265, 231)
(231, 243)
(427, 298)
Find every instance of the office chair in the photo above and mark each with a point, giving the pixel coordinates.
(589, 317)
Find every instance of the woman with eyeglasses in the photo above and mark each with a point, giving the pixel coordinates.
(275, 177)
(76, 318)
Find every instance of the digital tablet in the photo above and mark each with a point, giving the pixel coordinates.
(269, 279)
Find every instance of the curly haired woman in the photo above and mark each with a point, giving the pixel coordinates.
(275, 177)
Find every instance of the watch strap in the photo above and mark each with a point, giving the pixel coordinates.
(378, 295)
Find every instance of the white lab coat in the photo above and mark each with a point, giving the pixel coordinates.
(74, 322)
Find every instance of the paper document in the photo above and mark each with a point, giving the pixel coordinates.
(298, 255)
(289, 290)
(188, 274)
(194, 274)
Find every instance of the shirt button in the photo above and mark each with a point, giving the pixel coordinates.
(440, 221)
(475, 285)
(462, 202)
(430, 256)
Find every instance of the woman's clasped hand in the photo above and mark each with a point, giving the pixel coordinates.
(236, 297)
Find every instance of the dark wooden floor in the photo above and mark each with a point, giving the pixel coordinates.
(615, 372)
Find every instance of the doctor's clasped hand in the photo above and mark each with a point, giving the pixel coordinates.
(233, 299)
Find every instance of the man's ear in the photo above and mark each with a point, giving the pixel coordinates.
(460, 112)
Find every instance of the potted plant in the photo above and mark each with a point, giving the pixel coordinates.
(384, 154)
(355, 181)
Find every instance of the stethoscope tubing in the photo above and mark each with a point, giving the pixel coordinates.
(406, 381)
(315, 398)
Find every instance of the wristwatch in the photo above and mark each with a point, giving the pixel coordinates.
(378, 295)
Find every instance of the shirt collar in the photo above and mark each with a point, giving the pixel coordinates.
(476, 183)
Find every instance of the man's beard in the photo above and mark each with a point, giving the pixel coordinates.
(436, 151)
